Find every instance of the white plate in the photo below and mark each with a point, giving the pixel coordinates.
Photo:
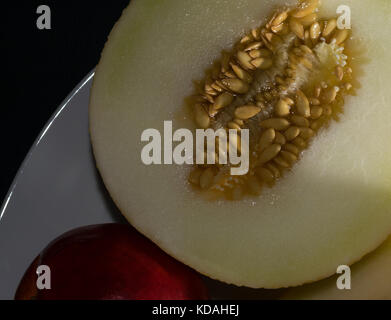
(57, 189)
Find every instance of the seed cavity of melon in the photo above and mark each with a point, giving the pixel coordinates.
(284, 81)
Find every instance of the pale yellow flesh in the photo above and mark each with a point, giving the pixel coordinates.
(370, 280)
(332, 209)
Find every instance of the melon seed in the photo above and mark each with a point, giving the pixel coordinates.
(233, 125)
(223, 100)
(305, 8)
(315, 31)
(340, 36)
(329, 95)
(300, 121)
(269, 153)
(273, 169)
(297, 28)
(245, 60)
(292, 133)
(308, 20)
(280, 18)
(302, 104)
(282, 108)
(246, 112)
(201, 116)
(316, 112)
(300, 142)
(253, 46)
(242, 74)
(282, 162)
(236, 85)
(291, 148)
(275, 123)
(262, 63)
(306, 133)
(288, 156)
(264, 174)
(280, 139)
(267, 138)
(329, 27)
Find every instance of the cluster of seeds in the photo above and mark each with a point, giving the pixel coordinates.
(277, 83)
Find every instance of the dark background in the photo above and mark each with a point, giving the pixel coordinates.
(41, 67)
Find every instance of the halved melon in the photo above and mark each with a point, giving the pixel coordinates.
(331, 209)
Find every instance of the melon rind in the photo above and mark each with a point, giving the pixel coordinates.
(370, 280)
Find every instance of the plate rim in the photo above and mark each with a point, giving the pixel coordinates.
(90, 75)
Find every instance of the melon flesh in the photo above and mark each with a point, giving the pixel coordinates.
(370, 281)
(332, 209)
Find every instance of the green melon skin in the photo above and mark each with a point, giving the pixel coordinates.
(332, 209)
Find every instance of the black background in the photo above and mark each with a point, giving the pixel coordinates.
(41, 67)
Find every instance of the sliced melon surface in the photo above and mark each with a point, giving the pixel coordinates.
(331, 209)
(370, 280)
